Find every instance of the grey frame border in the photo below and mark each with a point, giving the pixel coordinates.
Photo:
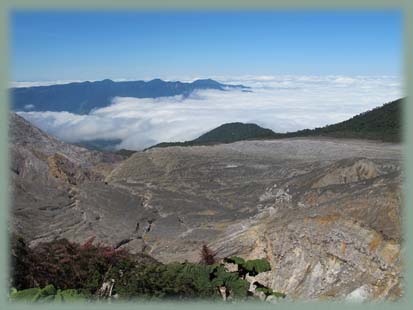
(405, 5)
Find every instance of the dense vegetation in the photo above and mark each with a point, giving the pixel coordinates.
(64, 271)
(232, 132)
(47, 294)
(226, 133)
(382, 123)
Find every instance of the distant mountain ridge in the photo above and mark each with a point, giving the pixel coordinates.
(83, 97)
(382, 123)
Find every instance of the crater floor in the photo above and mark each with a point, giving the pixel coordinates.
(324, 212)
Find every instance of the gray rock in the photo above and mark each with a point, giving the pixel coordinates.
(326, 213)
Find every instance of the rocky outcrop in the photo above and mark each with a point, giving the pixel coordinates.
(48, 178)
(322, 257)
(358, 171)
(326, 213)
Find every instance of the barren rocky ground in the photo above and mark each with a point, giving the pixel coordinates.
(326, 213)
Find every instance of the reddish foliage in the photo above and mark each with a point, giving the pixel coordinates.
(65, 264)
(88, 244)
(207, 255)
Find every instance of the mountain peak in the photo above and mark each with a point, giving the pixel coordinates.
(206, 82)
(236, 131)
(107, 81)
(157, 80)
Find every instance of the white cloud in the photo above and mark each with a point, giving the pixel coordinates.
(29, 107)
(282, 103)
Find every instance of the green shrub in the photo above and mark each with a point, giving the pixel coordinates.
(177, 281)
(251, 267)
(28, 295)
(268, 291)
(235, 260)
(71, 295)
(256, 266)
(47, 294)
(172, 281)
(70, 272)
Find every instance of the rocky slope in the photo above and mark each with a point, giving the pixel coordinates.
(48, 179)
(324, 212)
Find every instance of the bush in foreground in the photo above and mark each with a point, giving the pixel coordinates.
(47, 294)
(64, 271)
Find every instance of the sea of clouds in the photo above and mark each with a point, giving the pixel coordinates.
(281, 103)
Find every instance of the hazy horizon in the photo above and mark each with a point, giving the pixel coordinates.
(306, 69)
(281, 103)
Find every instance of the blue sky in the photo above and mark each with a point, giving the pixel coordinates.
(55, 45)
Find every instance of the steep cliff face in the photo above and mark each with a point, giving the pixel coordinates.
(324, 212)
(331, 233)
(322, 258)
(47, 177)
